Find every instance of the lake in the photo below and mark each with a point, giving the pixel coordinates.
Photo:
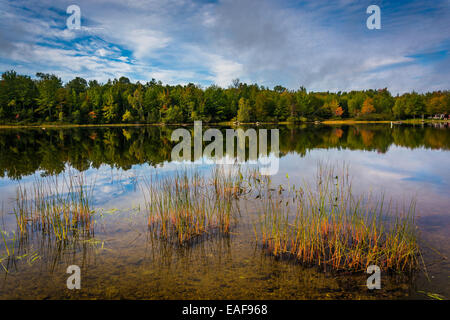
(120, 258)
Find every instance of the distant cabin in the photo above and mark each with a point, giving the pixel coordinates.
(441, 116)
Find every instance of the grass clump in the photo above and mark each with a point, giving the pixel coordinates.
(333, 228)
(59, 208)
(187, 205)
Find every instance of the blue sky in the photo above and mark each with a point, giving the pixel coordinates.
(322, 45)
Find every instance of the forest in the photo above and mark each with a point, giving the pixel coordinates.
(46, 99)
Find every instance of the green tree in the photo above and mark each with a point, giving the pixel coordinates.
(244, 111)
(48, 86)
(174, 115)
(127, 116)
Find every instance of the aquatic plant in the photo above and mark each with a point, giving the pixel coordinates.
(54, 206)
(187, 205)
(9, 244)
(332, 227)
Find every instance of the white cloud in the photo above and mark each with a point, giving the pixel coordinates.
(144, 42)
(224, 70)
(319, 44)
(102, 52)
(375, 62)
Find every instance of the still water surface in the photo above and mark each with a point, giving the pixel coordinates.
(122, 261)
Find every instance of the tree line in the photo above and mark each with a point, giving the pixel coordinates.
(46, 99)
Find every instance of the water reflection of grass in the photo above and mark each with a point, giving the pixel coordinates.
(59, 208)
(334, 228)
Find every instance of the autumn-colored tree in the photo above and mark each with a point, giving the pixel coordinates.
(367, 106)
(437, 104)
(92, 115)
(334, 106)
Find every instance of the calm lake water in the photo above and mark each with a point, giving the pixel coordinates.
(120, 260)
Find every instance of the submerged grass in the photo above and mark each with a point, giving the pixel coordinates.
(59, 208)
(187, 205)
(8, 251)
(50, 212)
(333, 228)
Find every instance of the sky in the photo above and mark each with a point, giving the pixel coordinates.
(320, 45)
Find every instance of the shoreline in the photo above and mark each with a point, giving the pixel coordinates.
(227, 123)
